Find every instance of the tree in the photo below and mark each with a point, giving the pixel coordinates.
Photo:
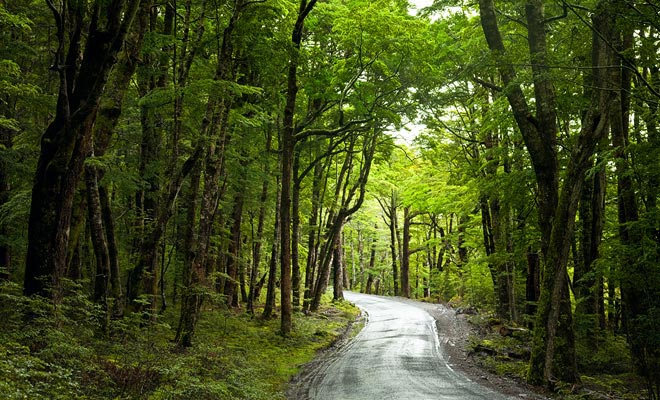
(553, 354)
(83, 64)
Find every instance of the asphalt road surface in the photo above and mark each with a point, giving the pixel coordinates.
(396, 356)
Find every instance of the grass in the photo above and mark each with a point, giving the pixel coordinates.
(63, 353)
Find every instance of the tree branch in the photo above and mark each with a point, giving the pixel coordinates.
(330, 132)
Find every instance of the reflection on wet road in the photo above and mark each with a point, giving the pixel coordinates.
(396, 356)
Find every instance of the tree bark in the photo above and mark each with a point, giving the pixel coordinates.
(5, 188)
(269, 307)
(390, 219)
(288, 149)
(214, 131)
(372, 264)
(295, 232)
(314, 230)
(66, 142)
(553, 352)
(257, 240)
(406, 252)
(99, 241)
(338, 266)
(234, 256)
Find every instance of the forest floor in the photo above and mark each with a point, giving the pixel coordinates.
(69, 354)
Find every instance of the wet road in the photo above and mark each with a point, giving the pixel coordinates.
(396, 356)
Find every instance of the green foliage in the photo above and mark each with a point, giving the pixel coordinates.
(64, 352)
(609, 355)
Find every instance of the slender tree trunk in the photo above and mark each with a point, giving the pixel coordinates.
(288, 149)
(99, 241)
(190, 299)
(269, 307)
(295, 232)
(405, 253)
(258, 239)
(372, 264)
(350, 201)
(391, 222)
(234, 258)
(5, 188)
(587, 282)
(312, 244)
(113, 253)
(533, 284)
(338, 266)
(100, 213)
(360, 251)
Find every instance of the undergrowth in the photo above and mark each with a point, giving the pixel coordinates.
(71, 352)
(605, 366)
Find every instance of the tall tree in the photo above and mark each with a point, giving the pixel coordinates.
(87, 47)
(553, 353)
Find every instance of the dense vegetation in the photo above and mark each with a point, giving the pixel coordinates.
(168, 164)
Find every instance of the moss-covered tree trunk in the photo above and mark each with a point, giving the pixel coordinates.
(553, 352)
(87, 50)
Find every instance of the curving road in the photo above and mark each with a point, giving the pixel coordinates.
(396, 356)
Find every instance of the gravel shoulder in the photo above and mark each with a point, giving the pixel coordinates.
(454, 332)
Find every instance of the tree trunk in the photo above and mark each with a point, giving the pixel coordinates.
(5, 188)
(189, 299)
(314, 230)
(338, 266)
(587, 282)
(257, 240)
(532, 284)
(99, 241)
(66, 142)
(100, 212)
(405, 252)
(372, 264)
(269, 307)
(288, 149)
(553, 352)
(234, 252)
(638, 276)
(350, 197)
(360, 251)
(295, 232)
(390, 210)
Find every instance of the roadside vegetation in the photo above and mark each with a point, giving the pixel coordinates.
(503, 348)
(72, 352)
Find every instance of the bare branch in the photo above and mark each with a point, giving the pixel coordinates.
(487, 85)
(332, 132)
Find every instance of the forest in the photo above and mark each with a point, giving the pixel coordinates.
(170, 169)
